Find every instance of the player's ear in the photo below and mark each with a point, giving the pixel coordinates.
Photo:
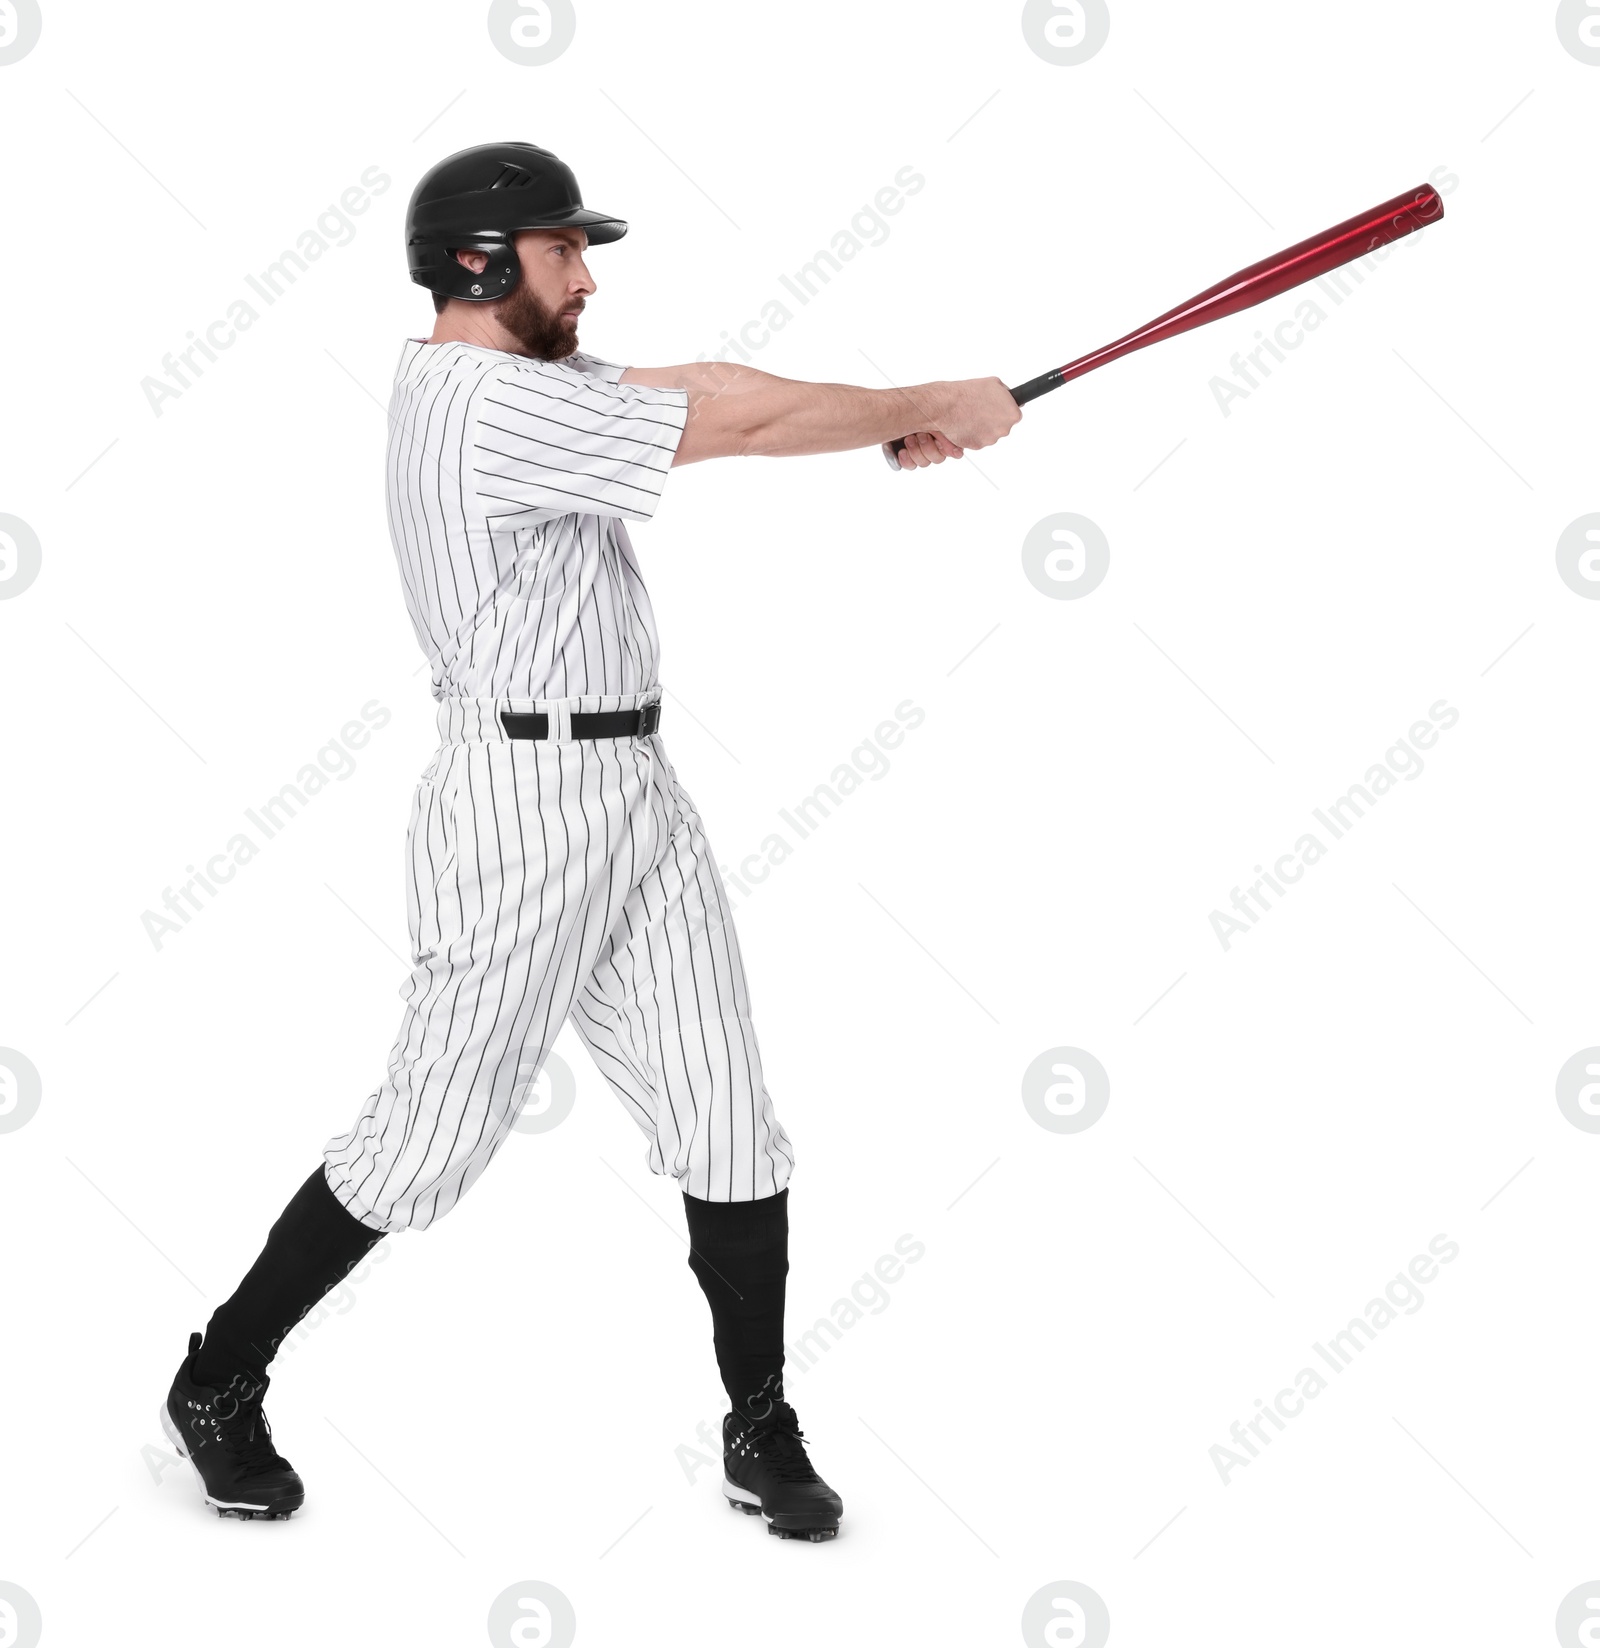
(477, 262)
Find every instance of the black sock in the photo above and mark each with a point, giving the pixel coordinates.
(314, 1244)
(739, 1253)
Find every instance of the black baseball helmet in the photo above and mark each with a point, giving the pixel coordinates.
(476, 200)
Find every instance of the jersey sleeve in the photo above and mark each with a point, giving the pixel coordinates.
(550, 440)
(606, 370)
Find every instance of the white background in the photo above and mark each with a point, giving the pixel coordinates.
(505, 1396)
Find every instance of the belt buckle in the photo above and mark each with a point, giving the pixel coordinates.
(649, 718)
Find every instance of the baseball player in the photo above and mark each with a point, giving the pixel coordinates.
(555, 867)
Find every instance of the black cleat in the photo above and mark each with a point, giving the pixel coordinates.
(226, 1438)
(766, 1473)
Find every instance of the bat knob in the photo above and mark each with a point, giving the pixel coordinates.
(891, 452)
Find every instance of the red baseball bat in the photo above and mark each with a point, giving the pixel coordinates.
(1343, 243)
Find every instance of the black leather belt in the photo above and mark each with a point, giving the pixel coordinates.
(638, 723)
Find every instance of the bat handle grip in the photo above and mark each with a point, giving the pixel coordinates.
(1035, 387)
(1022, 394)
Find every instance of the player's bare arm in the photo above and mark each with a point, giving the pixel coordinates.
(737, 411)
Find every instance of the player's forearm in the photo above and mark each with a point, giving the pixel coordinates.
(782, 418)
(738, 411)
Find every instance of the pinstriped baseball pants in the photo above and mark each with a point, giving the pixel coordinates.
(545, 880)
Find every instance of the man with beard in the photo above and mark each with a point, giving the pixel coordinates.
(556, 867)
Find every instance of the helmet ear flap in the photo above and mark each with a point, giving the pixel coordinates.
(436, 267)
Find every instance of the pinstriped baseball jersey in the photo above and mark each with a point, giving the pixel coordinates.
(509, 483)
(555, 878)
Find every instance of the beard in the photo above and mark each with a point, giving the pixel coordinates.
(540, 330)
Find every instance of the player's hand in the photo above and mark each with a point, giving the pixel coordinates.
(921, 450)
(970, 412)
(977, 412)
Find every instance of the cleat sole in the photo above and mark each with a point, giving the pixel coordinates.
(792, 1527)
